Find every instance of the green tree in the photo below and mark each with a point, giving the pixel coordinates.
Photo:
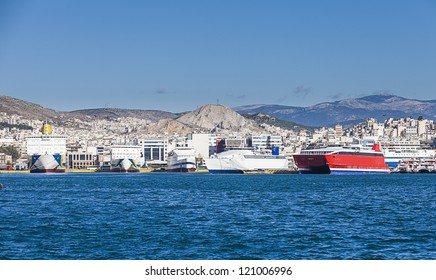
(11, 151)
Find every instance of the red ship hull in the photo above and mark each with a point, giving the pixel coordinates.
(342, 161)
(344, 164)
(312, 164)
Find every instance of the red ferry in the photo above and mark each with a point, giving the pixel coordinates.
(342, 160)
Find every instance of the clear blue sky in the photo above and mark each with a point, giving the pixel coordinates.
(178, 55)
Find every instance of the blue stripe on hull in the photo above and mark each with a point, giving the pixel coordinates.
(356, 172)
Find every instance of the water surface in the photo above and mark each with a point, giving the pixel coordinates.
(211, 216)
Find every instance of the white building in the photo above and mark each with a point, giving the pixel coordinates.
(266, 141)
(155, 149)
(422, 127)
(201, 144)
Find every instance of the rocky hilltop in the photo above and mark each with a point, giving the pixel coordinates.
(218, 117)
(207, 119)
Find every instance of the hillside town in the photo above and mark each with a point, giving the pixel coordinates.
(93, 144)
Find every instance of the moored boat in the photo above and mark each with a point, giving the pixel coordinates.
(46, 152)
(354, 159)
(126, 158)
(416, 165)
(181, 159)
(245, 160)
(393, 157)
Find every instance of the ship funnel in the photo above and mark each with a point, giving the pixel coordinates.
(46, 129)
(376, 147)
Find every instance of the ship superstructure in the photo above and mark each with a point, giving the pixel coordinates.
(46, 152)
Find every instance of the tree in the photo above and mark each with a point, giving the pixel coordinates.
(11, 151)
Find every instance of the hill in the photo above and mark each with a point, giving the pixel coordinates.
(11, 106)
(261, 118)
(29, 110)
(114, 113)
(348, 111)
(215, 117)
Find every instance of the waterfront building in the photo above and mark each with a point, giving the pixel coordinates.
(81, 160)
(155, 150)
(201, 143)
(266, 141)
(231, 143)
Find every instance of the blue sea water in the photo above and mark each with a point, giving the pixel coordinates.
(209, 216)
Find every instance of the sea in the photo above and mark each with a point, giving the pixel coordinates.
(201, 216)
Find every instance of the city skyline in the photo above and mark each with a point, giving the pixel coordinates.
(175, 56)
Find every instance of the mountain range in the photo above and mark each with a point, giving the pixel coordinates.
(215, 117)
(348, 111)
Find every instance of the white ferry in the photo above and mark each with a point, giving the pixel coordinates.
(245, 160)
(393, 157)
(181, 159)
(46, 152)
(126, 158)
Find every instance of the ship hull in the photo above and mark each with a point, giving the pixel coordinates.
(47, 171)
(182, 169)
(226, 171)
(340, 160)
(182, 165)
(312, 164)
(46, 164)
(124, 166)
(240, 161)
(221, 166)
(371, 163)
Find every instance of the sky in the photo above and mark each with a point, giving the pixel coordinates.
(179, 55)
